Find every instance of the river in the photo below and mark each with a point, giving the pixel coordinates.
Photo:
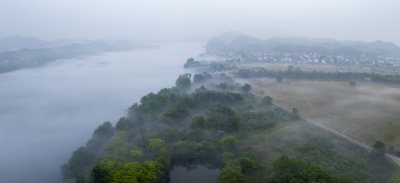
(47, 112)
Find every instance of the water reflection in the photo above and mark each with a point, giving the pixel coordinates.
(200, 174)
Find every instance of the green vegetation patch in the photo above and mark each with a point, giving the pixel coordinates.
(226, 128)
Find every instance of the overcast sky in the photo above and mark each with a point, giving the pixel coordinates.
(367, 20)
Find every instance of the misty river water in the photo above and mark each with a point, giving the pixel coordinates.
(47, 112)
(199, 174)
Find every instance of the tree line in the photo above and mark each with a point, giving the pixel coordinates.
(296, 73)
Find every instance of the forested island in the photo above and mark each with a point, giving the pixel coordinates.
(210, 120)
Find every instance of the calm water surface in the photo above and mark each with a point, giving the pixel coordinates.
(200, 174)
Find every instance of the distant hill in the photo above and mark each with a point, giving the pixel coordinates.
(24, 52)
(234, 42)
(14, 43)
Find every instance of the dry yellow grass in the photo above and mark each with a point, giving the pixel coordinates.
(367, 112)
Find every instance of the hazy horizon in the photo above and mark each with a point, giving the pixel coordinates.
(153, 20)
(150, 90)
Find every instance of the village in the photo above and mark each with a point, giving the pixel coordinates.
(313, 58)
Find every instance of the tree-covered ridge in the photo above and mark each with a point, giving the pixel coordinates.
(208, 66)
(190, 125)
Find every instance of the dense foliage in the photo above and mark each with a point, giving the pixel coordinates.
(190, 125)
(288, 170)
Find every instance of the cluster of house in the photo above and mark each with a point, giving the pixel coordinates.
(314, 58)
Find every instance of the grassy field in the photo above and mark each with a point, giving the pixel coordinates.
(367, 112)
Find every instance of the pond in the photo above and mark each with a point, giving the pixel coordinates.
(200, 174)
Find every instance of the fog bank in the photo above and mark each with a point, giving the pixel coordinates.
(47, 112)
(367, 20)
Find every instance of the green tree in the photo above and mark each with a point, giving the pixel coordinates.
(155, 145)
(198, 78)
(191, 63)
(352, 83)
(78, 165)
(287, 170)
(342, 179)
(103, 171)
(190, 60)
(295, 112)
(379, 147)
(133, 172)
(118, 149)
(105, 129)
(246, 88)
(199, 122)
(164, 160)
(229, 141)
(247, 164)
(184, 81)
(231, 173)
(232, 123)
(227, 156)
(267, 100)
(100, 137)
(184, 151)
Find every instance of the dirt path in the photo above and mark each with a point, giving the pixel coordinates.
(337, 133)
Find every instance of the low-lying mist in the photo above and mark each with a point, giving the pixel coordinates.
(368, 111)
(47, 112)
